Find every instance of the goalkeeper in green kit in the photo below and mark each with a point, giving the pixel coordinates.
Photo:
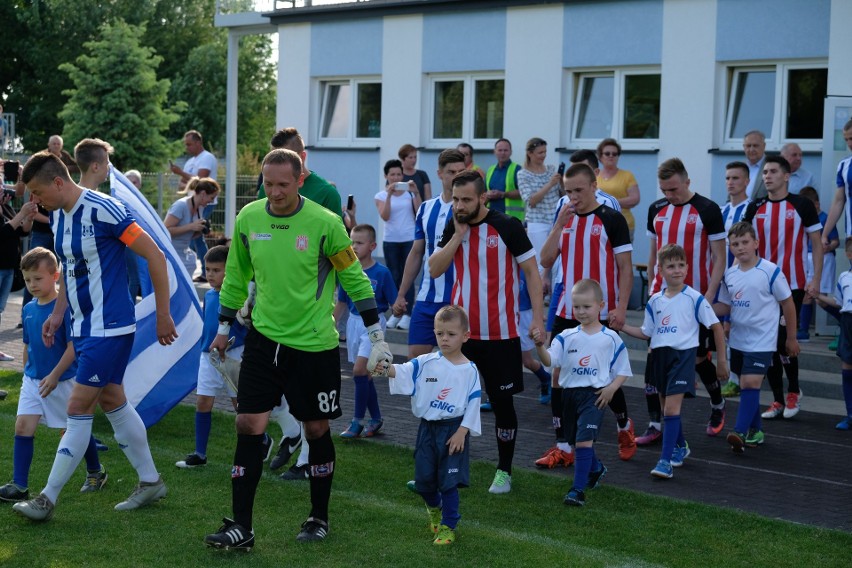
(292, 248)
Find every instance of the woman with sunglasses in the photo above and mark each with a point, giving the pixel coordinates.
(619, 183)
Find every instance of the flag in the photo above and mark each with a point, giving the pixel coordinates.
(158, 376)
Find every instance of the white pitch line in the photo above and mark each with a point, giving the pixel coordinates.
(773, 472)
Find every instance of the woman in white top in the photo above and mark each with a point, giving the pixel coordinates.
(541, 188)
(397, 203)
(185, 219)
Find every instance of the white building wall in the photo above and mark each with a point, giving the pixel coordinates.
(294, 78)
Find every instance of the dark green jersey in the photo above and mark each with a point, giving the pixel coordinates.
(293, 260)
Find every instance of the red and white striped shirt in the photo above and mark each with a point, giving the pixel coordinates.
(486, 267)
(587, 249)
(782, 228)
(692, 225)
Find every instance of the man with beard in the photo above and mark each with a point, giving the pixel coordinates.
(486, 248)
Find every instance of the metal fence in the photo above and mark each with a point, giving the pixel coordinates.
(161, 190)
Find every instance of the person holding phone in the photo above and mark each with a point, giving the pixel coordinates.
(541, 187)
(397, 203)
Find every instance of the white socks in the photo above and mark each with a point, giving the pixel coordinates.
(72, 446)
(132, 438)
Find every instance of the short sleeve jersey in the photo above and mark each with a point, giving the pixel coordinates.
(293, 259)
(753, 295)
(381, 281)
(782, 228)
(42, 360)
(93, 266)
(589, 360)
(211, 323)
(692, 225)
(486, 266)
(440, 390)
(673, 322)
(432, 217)
(844, 181)
(843, 292)
(587, 249)
(732, 214)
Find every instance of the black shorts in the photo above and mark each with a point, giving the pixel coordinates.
(844, 344)
(673, 371)
(500, 363)
(581, 418)
(434, 468)
(309, 380)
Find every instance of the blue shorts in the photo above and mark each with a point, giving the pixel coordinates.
(750, 363)
(102, 360)
(554, 303)
(581, 419)
(422, 328)
(844, 343)
(434, 468)
(673, 370)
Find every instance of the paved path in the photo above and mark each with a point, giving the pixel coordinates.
(802, 474)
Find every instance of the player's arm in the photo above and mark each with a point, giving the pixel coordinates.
(634, 331)
(818, 254)
(412, 267)
(834, 212)
(718, 259)
(721, 352)
(339, 309)
(536, 291)
(142, 244)
(48, 384)
(618, 314)
(455, 444)
(788, 309)
(550, 248)
(442, 258)
(56, 317)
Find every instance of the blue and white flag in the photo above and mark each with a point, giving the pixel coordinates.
(158, 377)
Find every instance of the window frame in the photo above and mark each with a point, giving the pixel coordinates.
(468, 108)
(351, 139)
(575, 80)
(776, 138)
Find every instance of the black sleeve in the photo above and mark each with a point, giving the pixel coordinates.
(806, 210)
(449, 231)
(750, 212)
(711, 217)
(511, 230)
(615, 225)
(652, 213)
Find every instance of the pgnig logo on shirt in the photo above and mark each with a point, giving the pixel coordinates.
(665, 327)
(583, 368)
(738, 302)
(441, 404)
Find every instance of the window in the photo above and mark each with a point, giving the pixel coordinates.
(350, 110)
(783, 101)
(618, 104)
(467, 108)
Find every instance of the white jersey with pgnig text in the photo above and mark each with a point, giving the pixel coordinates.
(843, 292)
(440, 390)
(429, 225)
(753, 295)
(93, 266)
(673, 322)
(486, 265)
(589, 360)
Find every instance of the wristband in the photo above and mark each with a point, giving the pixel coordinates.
(224, 328)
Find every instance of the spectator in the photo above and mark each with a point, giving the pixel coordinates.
(15, 226)
(201, 164)
(185, 220)
(501, 181)
(54, 146)
(4, 130)
(799, 176)
(621, 184)
(396, 208)
(408, 156)
(467, 151)
(540, 188)
(754, 146)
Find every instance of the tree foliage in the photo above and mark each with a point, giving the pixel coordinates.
(117, 95)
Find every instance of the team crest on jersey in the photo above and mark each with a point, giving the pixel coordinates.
(491, 241)
(596, 230)
(302, 242)
(790, 214)
(691, 219)
(88, 231)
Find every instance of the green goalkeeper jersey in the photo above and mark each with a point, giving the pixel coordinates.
(293, 260)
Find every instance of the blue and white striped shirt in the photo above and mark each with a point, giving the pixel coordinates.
(732, 214)
(432, 216)
(844, 180)
(93, 265)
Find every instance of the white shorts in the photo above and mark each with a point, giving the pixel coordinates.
(357, 341)
(53, 409)
(210, 382)
(524, 329)
(829, 265)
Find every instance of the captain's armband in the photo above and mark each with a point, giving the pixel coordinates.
(343, 259)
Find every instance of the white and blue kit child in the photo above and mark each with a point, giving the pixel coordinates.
(445, 396)
(357, 339)
(210, 381)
